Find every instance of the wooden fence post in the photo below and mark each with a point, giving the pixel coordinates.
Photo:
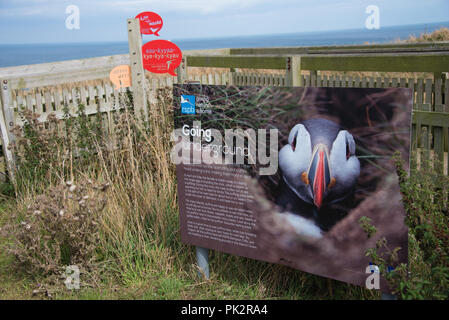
(438, 132)
(293, 71)
(137, 71)
(231, 74)
(181, 71)
(6, 124)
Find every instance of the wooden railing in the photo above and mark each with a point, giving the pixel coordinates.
(442, 46)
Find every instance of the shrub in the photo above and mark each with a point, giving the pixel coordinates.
(59, 228)
(38, 149)
(425, 196)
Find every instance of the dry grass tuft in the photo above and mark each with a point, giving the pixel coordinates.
(441, 34)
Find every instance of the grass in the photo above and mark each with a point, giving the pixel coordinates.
(14, 285)
(231, 278)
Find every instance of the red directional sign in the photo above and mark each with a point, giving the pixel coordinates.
(161, 56)
(150, 23)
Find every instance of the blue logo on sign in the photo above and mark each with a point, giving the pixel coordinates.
(187, 104)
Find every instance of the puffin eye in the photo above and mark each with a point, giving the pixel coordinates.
(350, 146)
(348, 152)
(294, 143)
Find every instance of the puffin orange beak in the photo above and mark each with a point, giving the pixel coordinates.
(319, 174)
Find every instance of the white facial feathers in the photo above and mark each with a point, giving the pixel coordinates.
(344, 164)
(294, 159)
(299, 139)
(343, 148)
(295, 156)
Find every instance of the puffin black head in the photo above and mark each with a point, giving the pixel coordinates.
(319, 163)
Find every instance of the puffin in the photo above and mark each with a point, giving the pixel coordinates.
(319, 172)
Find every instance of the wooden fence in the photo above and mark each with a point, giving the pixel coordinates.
(46, 88)
(423, 47)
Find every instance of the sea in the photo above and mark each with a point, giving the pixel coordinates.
(20, 54)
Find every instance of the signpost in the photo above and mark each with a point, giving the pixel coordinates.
(137, 72)
(157, 56)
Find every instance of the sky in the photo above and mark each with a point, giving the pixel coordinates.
(44, 21)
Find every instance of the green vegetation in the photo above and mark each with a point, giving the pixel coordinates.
(119, 194)
(425, 197)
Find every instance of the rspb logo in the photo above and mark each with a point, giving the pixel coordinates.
(187, 104)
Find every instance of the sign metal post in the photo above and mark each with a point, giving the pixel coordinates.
(387, 296)
(202, 259)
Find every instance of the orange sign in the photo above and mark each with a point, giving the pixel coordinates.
(120, 76)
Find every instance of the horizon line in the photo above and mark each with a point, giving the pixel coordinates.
(225, 37)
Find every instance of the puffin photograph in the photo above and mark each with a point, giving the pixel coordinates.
(319, 168)
(336, 167)
(334, 158)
